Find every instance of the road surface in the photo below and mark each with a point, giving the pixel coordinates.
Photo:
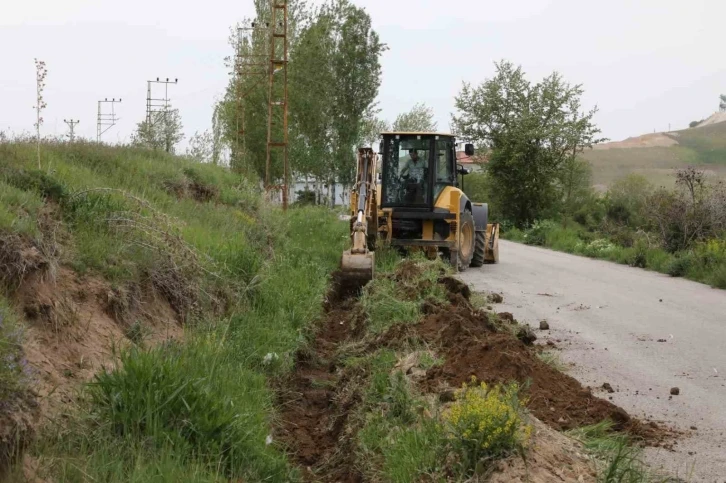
(640, 331)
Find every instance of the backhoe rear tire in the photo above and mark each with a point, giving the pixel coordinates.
(467, 237)
(479, 249)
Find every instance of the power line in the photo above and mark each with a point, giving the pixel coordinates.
(105, 121)
(71, 125)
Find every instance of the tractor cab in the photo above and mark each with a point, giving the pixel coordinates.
(416, 167)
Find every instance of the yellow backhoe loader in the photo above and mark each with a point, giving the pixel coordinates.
(417, 204)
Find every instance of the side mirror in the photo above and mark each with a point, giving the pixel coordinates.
(380, 148)
(461, 170)
(469, 149)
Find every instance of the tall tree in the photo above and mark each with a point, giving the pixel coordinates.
(334, 76)
(242, 112)
(419, 118)
(722, 104)
(164, 131)
(532, 130)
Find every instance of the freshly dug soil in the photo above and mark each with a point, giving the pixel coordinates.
(313, 413)
(319, 396)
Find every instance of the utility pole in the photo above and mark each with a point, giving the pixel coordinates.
(277, 100)
(158, 105)
(105, 121)
(250, 72)
(71, 125)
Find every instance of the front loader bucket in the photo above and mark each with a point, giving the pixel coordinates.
(491, 251)
(357, 268)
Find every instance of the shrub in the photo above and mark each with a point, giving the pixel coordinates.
(486, 422)
(305, 197)
(34, 180)
(679, 266)
(537, 233)
(639, 256)
(599, 248)
(718, 278)
(693, 213)
(626, 199)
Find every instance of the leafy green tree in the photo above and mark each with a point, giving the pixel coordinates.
(372, 128)
(163, 132)
(532, 130)
(200, 147)
(419, 119)
(626, 199)
(333, 78)
(574, 181)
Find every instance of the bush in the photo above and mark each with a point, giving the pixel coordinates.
(679, 266)
(34, 180)
(599, 248)
(537, 233)
(305, 197)
(693, 213)
(591, 213)
(486, 422)
(626, 199)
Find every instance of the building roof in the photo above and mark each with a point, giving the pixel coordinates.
(462, 158)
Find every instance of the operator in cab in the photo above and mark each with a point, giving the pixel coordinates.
(415, 171)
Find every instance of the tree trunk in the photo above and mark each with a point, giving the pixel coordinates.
(332, 193)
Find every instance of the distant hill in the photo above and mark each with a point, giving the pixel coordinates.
(656, 155)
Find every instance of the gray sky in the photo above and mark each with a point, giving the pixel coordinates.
(645, 63)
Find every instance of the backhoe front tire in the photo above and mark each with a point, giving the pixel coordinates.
(479, 249)
(467, 237)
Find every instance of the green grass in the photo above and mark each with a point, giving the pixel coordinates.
(388, 302)
(250, 278)
(396, 442)
(552, 359)
(205, 405)
(130, 203)
(704, 147)
(619, 460)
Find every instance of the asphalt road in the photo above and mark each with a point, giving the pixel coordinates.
(640, 331)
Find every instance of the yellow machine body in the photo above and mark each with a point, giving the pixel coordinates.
(450, 224)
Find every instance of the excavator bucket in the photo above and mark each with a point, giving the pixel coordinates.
(358, 267)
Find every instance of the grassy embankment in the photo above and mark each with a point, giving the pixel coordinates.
(244, 279)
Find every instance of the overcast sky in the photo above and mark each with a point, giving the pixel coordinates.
(646, 64)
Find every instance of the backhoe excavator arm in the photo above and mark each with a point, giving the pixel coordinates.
(358, 262)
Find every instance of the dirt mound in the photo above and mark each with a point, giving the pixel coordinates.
(317, 400)
(472, 346)
(714, 118)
